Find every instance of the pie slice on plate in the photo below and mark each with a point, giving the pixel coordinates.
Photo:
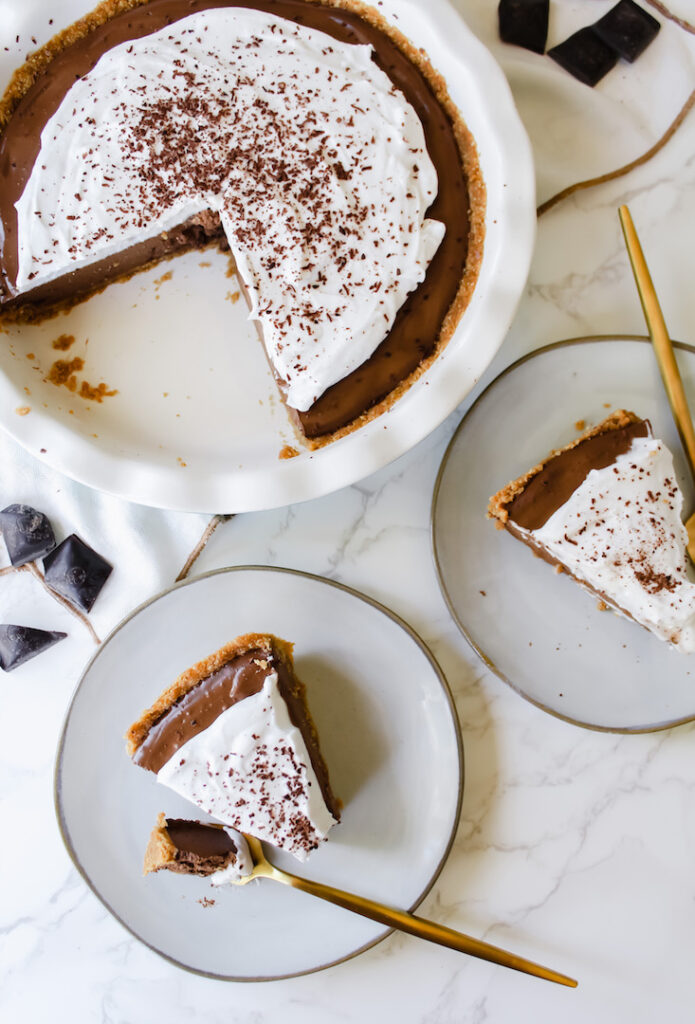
(607, 509)
(233, 734)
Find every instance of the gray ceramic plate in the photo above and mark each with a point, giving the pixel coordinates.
(388, 732)
(539, 631)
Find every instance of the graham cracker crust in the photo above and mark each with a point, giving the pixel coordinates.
(201, 670)
(160, 850)
(498, 507)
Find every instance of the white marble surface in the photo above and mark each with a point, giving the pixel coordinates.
(574, 848)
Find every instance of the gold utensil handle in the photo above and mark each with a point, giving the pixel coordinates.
(420, 927)
(661, 341)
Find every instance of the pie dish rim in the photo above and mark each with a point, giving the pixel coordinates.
(164, 486)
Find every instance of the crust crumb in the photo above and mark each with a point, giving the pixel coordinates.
(90, 393)
(63, 373)
(62, 343)
(288, 452)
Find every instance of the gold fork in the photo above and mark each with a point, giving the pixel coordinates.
(665, 355)
(398, 918)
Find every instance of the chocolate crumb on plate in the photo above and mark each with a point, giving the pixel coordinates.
(628, 29)
(585, 56)
(524, 23)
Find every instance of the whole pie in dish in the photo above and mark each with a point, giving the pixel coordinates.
(607, 509)
(233, 734)
(311, 138)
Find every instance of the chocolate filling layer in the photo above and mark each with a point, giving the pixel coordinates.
(196, 233)
(199, 708)
(241, 677)
(419, 323)
(550, 488)
(199, 840)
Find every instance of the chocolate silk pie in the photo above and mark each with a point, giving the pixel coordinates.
(607, 510)
(233, 734)
(310, 138)
(196, 848)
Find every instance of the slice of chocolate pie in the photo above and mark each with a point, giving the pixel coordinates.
(195, 848)
(311, 138)
(607, 510)
(233, 734)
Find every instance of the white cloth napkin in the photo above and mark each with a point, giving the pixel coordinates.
(147, 548)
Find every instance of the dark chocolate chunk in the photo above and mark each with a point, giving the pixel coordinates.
(76, 572)
(627, 29)
(524, 23)
(585, 56)
(28, 534)
(20, 643)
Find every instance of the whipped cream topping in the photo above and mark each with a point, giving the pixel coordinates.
(251, 770)
(239, 867)
(621, 532)
(314, 161)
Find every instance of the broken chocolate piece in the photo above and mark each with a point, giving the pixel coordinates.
(627, 29)
(27, 532)
(76, 572)
(524, 23)
(585, 56)
(21, 643)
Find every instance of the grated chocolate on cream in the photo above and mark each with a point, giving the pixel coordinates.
(314, 162)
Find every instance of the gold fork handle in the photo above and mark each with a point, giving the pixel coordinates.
(420, 927)
(661, 341)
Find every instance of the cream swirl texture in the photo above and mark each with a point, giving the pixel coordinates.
(315, 163)
(621, 532)
(251, 770)
(240, 866)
